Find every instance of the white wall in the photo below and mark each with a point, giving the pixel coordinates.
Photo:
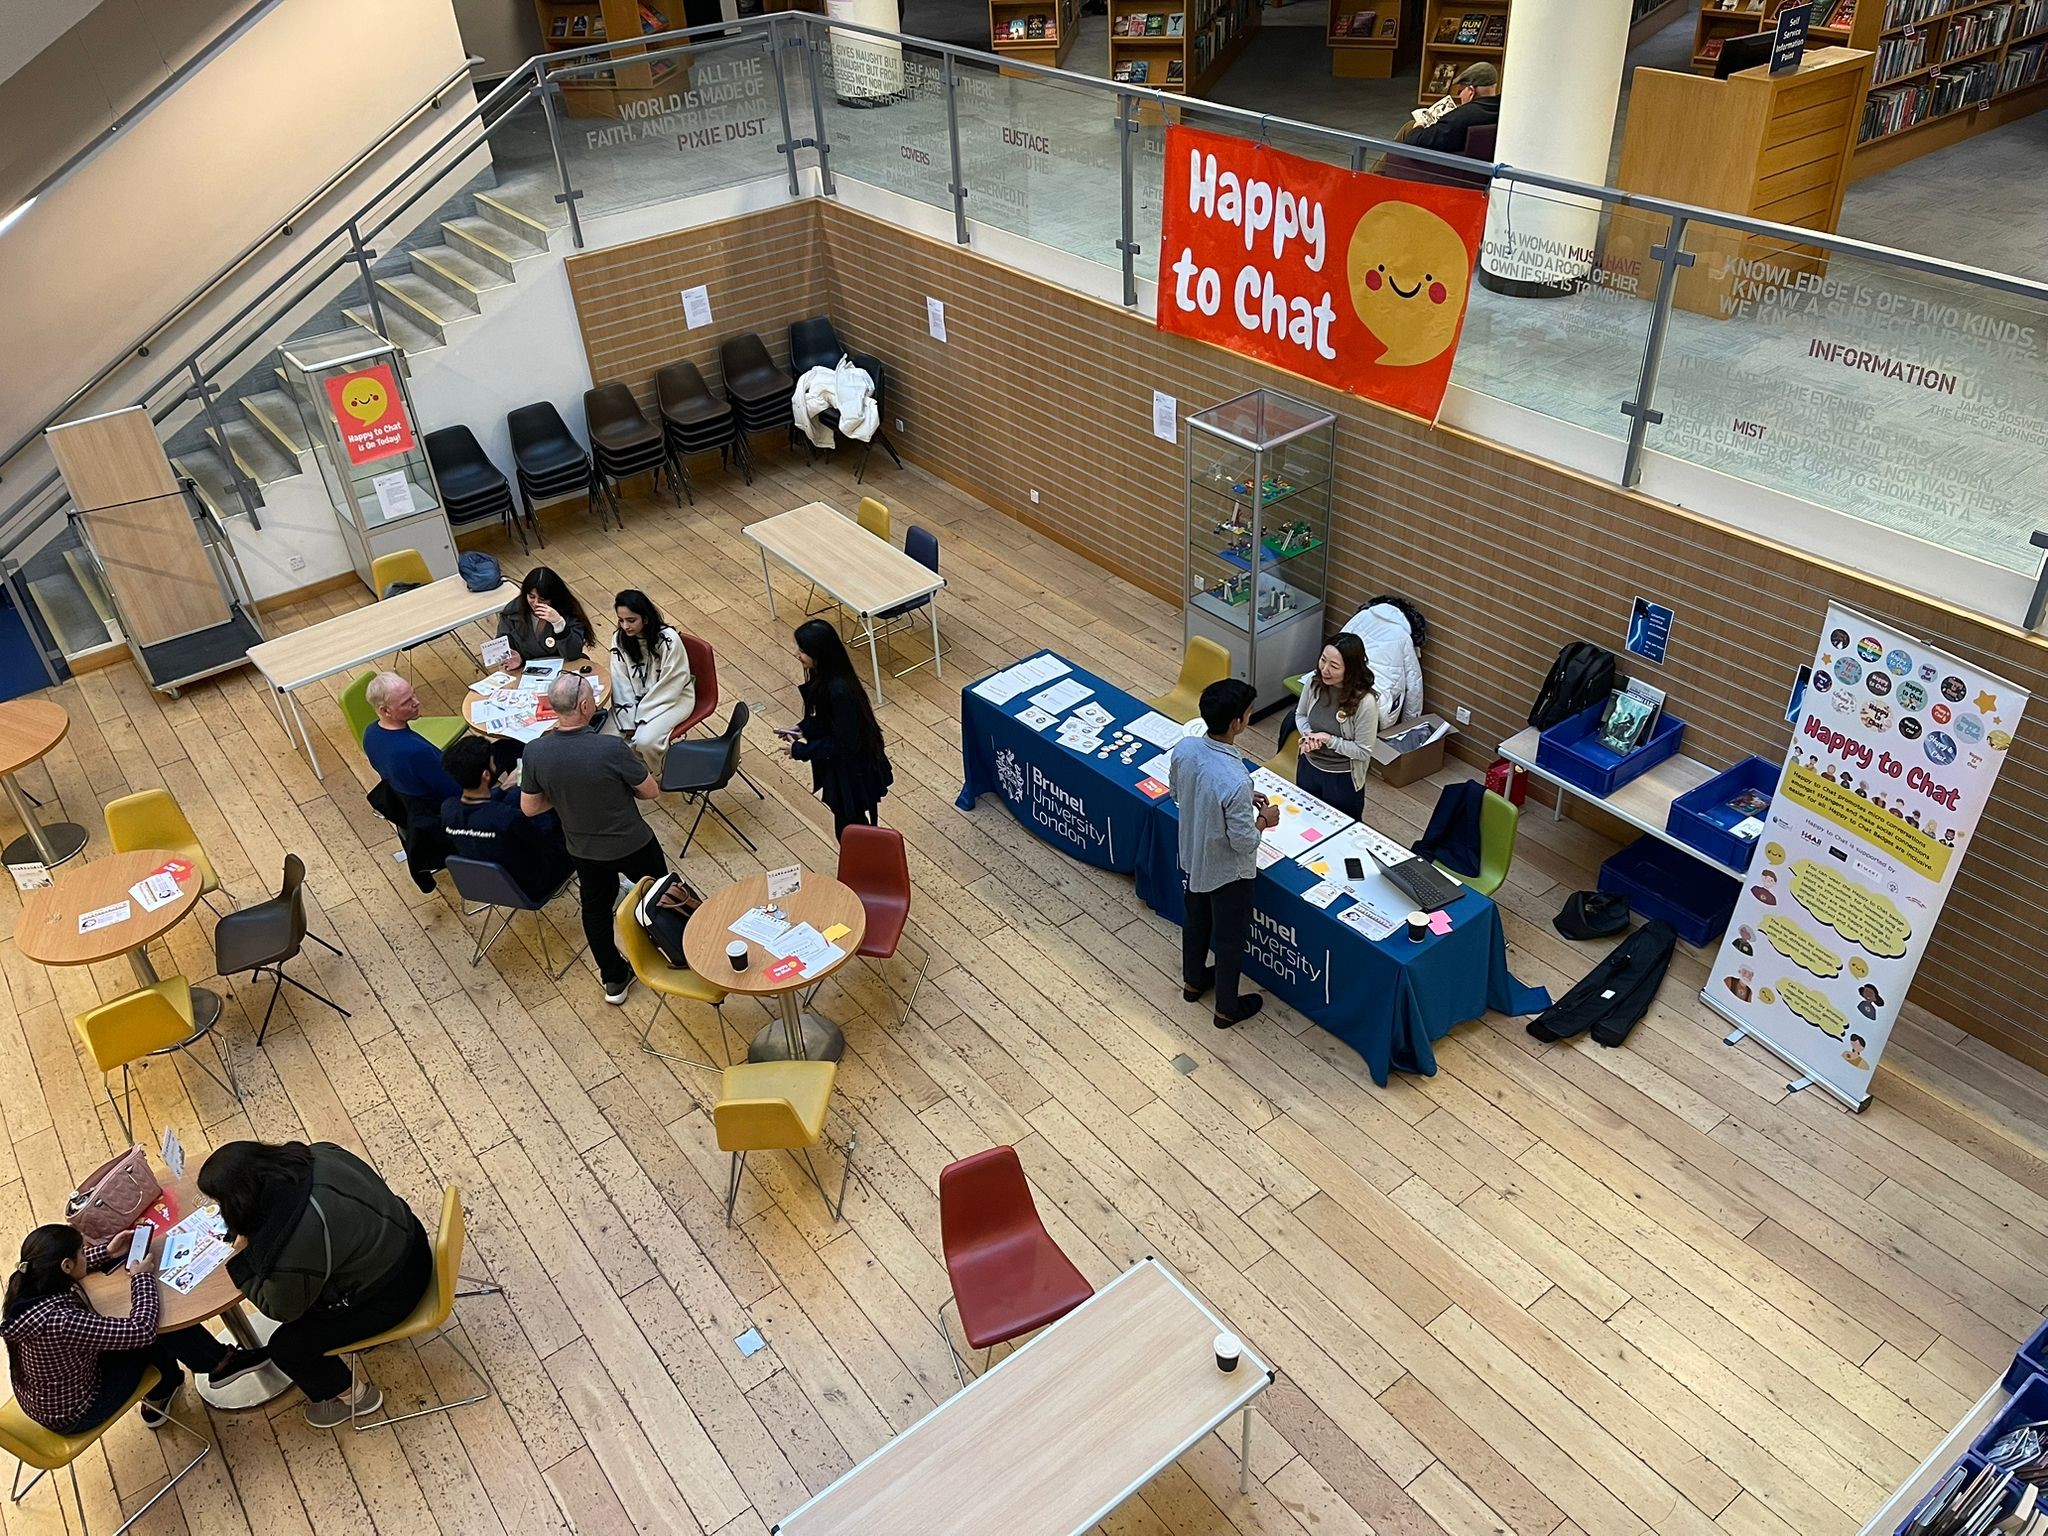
(503, 33)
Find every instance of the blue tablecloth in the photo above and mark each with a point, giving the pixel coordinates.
(1387, 999)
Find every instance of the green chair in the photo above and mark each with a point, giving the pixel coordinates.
(1499, 817)
(356, 710)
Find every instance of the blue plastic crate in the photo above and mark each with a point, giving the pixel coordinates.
(1660, 881)
(2031, 1359)
(2027, 1405)
(1572, 751)
(1974, 1463)
(1700, 818)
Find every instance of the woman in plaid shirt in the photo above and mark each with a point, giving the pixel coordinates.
(72, 1367)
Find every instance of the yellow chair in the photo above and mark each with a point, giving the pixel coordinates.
(150, 1021)
(46, 1450)
(776, 1106)
(401, 565)
(666, 981)
(1283, 761)
(359, 716)
(431, 1315)
(874, 517)
(152, 818)
(1202, 663)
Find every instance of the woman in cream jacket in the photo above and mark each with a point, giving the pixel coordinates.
(1339, 720)
(652, 689)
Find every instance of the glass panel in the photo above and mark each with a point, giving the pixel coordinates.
(63, 581)
(1911, 401)
(1040, 159)
(1148, 187)
(1567, 338)
(896, 142)
(636, 132)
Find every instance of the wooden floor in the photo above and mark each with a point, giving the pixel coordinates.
(1569, 1291)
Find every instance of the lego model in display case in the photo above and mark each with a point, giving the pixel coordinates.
(1258, 520)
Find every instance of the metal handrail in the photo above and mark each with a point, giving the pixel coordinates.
(140, 346)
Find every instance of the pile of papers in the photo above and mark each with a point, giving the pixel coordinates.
(798, 942)
(194, 1249)
(1011, 681)
(1304, 820)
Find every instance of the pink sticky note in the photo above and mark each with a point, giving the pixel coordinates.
(1309, 834)
(1439, 922)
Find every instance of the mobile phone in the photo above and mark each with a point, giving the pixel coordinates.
(788, 732)
(138, 1246)
(1354, 868)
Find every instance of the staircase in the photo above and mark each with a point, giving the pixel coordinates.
(424, 302)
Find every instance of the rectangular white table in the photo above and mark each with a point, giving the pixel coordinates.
(865, 575)
(347, 640)
(1062, 1432)
(1644, 802)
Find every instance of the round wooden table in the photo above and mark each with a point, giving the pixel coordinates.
(822, 902)
(217, 1296)
(47, 929)
(29, 728)
(471, 698)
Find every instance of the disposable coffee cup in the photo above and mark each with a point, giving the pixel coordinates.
(1228, 1351)
(1418, 927)
(736, 952)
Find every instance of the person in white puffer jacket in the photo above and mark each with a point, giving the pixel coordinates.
(653, 690)
(1393, 630)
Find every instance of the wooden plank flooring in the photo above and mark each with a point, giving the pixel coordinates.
(1552, 1291)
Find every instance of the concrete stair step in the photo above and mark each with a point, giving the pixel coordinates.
(428, 303)
(492, 243)
(526, 205)
(461, 276)
(261, 457)
(209, 471)
(278, 414)
(400, 327)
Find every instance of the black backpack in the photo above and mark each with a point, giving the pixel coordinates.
(1582, 676)
(663, 923)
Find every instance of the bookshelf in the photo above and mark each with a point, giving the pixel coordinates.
(1363, 38)
(566, 24)
(1457, 33)
(1035, 31)
(1720, 20)
(1193, 42)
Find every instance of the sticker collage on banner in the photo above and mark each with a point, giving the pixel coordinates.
(1893, 756)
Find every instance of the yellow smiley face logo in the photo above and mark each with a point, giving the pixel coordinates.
(364, 399)
(1408, 272)
(1766, 997)
(1774, 853)
(1858, 967)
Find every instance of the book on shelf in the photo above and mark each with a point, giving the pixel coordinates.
(652, 21)
(1174, 71)
(597, 25)
(1017, 30)
(1155, 24)
(580, 27)
(1712, 51)
(1362, 23)
(1121, 74)
(1447, 30)
(1441, 76)
(1340, 25)
(1473, 27)
(1141, 71)
(1174, 24)
(560, 28)
(1035, 27)
(1496, 32)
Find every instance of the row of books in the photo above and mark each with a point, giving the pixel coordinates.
(1477, 28)
(1035, 28)
(1139, 72)
(1904, 13)
(1898, 56)
(584, 25)
(1147, 24)
(1892, 111)
(1365, 24)
(1743, 7)
(1835, 13)
(2022, 67)
(2029, 17)
(1976, 31)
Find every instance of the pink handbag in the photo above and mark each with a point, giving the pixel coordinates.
(109, 1200)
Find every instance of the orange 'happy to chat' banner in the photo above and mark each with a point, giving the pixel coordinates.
(1358, 282)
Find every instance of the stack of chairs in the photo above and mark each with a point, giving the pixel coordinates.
(695, 421)
(472, 487)
(551, 463)
(759, 391)
(623, 442)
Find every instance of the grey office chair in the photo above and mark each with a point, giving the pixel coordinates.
(699, 767)
(261, 938)
(491, 885)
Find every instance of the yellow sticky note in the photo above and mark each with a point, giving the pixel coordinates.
(837, 932)
(1321, 869)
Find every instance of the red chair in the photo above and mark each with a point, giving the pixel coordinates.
(704, 678)
(1009, 1276)
(872, 862)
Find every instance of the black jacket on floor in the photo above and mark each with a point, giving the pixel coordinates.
(1616, 993)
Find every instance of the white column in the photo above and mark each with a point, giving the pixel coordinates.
(1560, 85)
(866, 71)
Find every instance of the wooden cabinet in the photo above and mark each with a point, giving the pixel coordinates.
(571, 24)
(1456, 34)
(1036, 31)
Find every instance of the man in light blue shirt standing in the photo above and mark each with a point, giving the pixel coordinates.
(1221, 818)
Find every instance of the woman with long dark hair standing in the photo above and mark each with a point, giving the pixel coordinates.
(838, 735)
(652, 689)
(544, 622)
(1339, 721)
(72, 1367)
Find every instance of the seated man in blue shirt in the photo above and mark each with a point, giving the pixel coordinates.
(485, 822)
(411, 766)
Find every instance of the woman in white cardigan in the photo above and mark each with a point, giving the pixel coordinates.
(652, 689)
(1339, 721)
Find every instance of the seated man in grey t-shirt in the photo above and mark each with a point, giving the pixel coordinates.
(594, 784)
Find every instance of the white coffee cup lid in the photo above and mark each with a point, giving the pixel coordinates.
(1418, 917)
(1228, 1344)
(736, 947)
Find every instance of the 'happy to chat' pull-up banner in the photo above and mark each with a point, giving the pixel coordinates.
(1892, 760)
(1358, 282)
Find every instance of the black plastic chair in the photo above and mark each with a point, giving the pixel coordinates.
(491, 885)
(695, 421)
(550, 461)
(700, 767)
(759, 391)
(922, 545)
(623, 442)
(472, 487)
(814, 344)
(262, 937)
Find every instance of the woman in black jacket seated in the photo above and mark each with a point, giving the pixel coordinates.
(332, 1253)
(544, 622)
(838, 735)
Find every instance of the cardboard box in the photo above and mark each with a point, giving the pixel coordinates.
(1398, 767)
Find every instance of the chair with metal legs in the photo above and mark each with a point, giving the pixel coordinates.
(1008, 1276)
(672, 984)
(46, 1450)
(152, 818)
(261, 938)
(778, 1106)
(704, 676)
(150, 1021)
(435, 1311)
(700, 768)
(491, 885)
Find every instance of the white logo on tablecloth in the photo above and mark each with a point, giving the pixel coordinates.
(1010, 774)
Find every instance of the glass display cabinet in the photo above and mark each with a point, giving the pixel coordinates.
(350, 389)
(1258, 523)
